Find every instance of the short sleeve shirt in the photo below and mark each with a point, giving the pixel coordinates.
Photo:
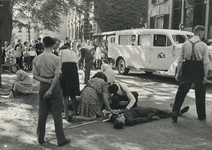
(200, 51)
(46, 65)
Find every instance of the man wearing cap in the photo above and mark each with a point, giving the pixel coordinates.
(46, 69)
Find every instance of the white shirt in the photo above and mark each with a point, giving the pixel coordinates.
(124, 90)
(68, 56)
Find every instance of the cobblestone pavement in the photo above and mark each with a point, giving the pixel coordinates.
(18, 119)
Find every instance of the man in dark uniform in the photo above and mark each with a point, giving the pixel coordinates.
(88, 57)
(194, 64)
(39, 47)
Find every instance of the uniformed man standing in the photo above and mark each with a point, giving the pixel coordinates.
(194, 64)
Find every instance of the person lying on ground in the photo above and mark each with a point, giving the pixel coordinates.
(93, 96)
(139, 115)
(122, 97)
(23, 83)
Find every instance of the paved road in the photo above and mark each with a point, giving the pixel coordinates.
(154, 91)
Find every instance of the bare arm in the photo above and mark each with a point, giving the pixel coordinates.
(106, 101)
(38, 78)
(54, 83)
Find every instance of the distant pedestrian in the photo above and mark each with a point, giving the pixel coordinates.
(46, 69)
(67, 42)
(88, 57)
(98, 56)
(39, 47)
(194, 64)
(56, 46)
(108, 71)
(6, 44)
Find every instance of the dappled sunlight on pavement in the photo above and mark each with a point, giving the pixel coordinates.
(18, 121)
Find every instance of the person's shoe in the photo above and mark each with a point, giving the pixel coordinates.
(184, 110)
(70, 117)
(174, 117)
(41, 143)
(65, 142)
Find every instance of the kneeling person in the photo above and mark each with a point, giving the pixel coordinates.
(122, 97)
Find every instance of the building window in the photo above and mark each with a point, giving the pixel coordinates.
(158, 1)
(159, 22)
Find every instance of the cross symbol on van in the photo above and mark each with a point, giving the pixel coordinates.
(161, 55)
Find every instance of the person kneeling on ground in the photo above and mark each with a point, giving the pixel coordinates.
(122, 97)
(23, 83)
(93, 96)
(139, 115)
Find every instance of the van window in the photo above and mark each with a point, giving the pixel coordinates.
(112, 40)
(127, 40)
(179, 38)
(161, 40)
(144, 40)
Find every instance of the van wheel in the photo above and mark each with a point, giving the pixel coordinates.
(122, 67)
(148, 72)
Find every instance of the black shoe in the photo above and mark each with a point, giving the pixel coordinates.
(41, 143)
(65, 142)
(174, 117)
(184, 110)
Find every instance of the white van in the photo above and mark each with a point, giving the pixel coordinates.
(151, 50)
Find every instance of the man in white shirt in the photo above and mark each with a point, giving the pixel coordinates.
(122, 97)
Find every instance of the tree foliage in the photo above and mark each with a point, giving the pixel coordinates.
(47, 13)
(120, 14)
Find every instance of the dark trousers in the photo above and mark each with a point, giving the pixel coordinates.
(88, 64)
(192, 72)
(116, 99)
(55, 104)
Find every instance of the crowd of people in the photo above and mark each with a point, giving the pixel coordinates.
(56, 67)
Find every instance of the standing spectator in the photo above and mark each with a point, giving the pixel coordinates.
(67, 42)
(88, 57)
(39, 47)
(32, 55)
(18, 55)
(6, 44)
(10, 54)
(98, 56)
(26, 56)
(70, 77)
(195, 67)
(46, 69)
(23, 83)
(56, 46)
(108, 71)
(18, 44)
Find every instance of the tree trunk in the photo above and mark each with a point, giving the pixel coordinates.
(5, 26)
